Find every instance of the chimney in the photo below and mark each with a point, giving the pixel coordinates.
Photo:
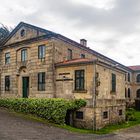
(83, 42)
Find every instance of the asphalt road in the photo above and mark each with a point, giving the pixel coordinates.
(15, 127)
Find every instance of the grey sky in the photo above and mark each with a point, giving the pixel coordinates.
(112, 27)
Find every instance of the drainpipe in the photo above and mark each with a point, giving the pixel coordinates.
(94, 96)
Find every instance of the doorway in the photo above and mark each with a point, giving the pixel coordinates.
(69, 118)
(25, 87)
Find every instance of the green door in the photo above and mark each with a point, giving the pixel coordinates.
(25, 87)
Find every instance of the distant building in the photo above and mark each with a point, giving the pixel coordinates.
(39, 63)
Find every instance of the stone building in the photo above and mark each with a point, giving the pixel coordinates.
(38, 63)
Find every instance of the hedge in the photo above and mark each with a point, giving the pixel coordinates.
(54, 110)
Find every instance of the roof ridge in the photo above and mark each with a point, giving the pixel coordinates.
(28, 25)
(66, 39)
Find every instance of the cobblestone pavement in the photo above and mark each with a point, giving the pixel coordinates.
(13, 127)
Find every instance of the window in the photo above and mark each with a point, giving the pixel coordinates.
(7, 58)
(41, 51)
(120, 112)
(82, 55)
(105, 115)
(79, 80)
(128, 77)
(138, 93)
(125, 93)
(79, 115)
(22, 33)
(24, 55)
(113, 82)
(7, 83)
(138, 78)
(129, 92)
(41, 81)
(69, 54)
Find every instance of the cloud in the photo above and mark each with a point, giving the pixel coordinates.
(111, 27)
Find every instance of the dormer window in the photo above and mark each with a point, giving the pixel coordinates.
(22, 33)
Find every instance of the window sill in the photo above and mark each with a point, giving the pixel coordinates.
(105, 119)
(7, 90)
(80, 120)
(80, 91)
(112, 92)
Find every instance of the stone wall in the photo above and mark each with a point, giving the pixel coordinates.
(61, 51)
(17, 69)
(29, 33)
(105, 100)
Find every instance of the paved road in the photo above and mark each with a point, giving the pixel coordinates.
(13, 127)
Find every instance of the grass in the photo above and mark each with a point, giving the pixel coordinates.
(115, 127)
(108, 129)
(105, 130)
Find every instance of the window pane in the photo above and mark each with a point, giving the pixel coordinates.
(120, 112)
(128, 77)
(82, 84)
(138, 78)
(41, 51)
(82, 55)
(79, 80)
(41, 81)
(69, 54)
(7, 58)
(24, 55)
(7, 83)
(79, 114)
(129, 92)
(113, 82)
(105, 115)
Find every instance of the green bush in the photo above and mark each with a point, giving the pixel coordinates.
(130, 115)
(54, 110)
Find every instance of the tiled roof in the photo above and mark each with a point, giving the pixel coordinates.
(75, 61)
(135, 68)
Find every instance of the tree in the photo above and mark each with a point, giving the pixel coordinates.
(4, 32)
